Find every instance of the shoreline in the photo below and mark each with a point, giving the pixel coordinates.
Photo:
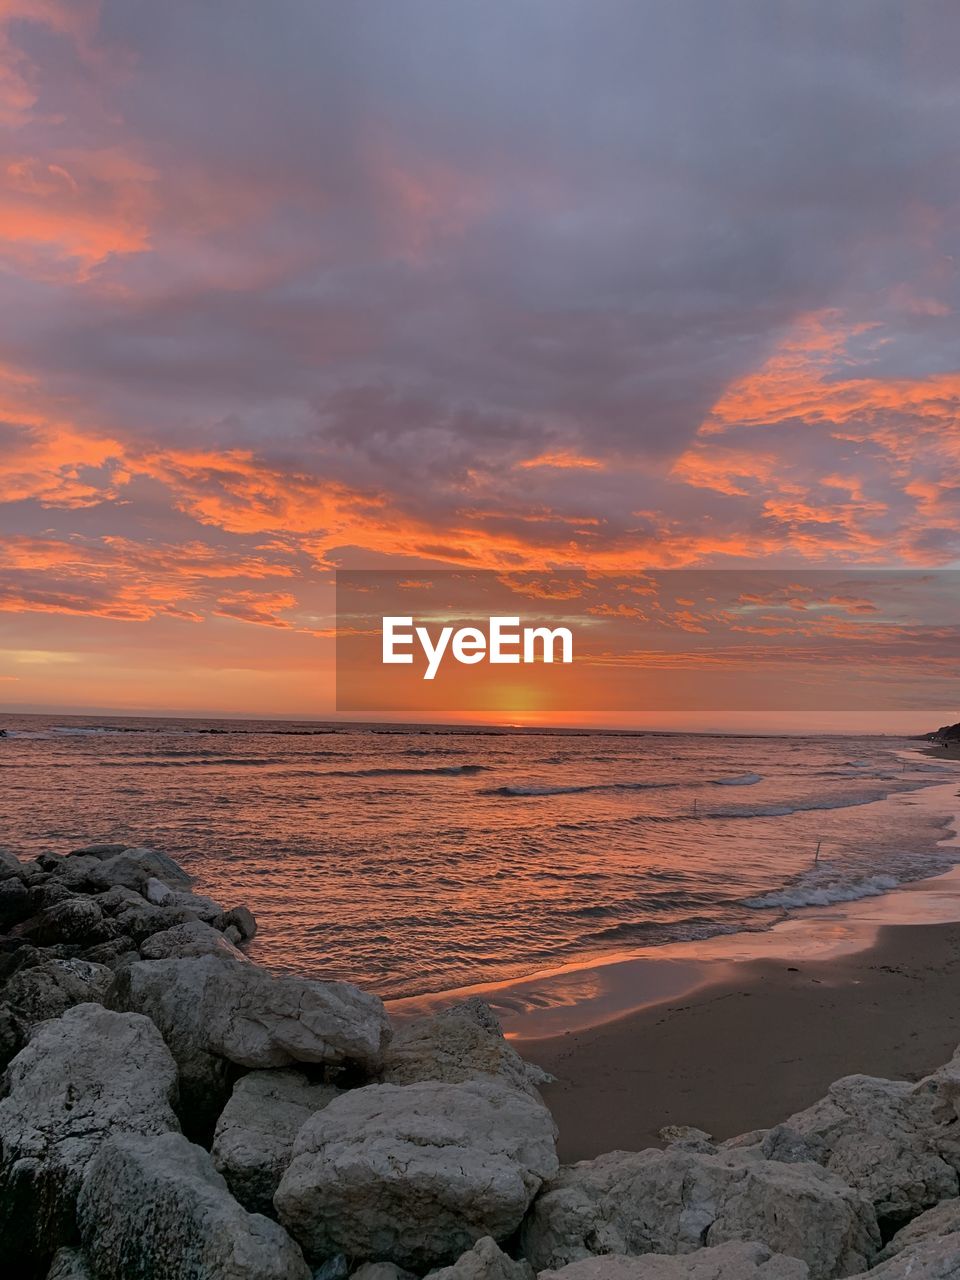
(588, 993)
(748, 1051)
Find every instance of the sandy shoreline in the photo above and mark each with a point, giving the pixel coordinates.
(738, 1032)
(747, 1052)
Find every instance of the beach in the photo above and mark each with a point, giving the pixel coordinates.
(747, 1052)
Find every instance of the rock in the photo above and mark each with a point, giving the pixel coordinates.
(15, 904)
(416, 1174)
(934, 1259)
(674, 1201)
(381, 1271)
(942, 1220)
(70, 1264)
(485, 1261)
(82, 1077)
(75, 920)
(161, 895)
(111, 953)
(233, 935)
(81, 871)
(213, 1012)
(10, 865)
(240, 918)
(463, 1042)
(335, 1268)
(48, 989)
(154, 1208)
(194, 938)
(879, 1136)
(140, 921)
(733, 1261)
(253, 1142)
(687, 1137)
(134, 867)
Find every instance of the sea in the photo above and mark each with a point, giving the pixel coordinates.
(420, 859)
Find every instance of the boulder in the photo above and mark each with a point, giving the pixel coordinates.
(253, 1141)
(46, 990)
(677, 1200)
(82, 1077)
(154, 1208)
(736, 1260)
(942, 1220)
(934, 1259)
(880, 1136)
(75, 920)
(380, 1271)
(213, 1013)
(161, 895)
(194, 938)
(485, 1261)
(70, 1264)
(416, 1174)
(462, 1042)
(134, 867)
(142, 919)
(241, 919)
(10, 865)
(15, 903)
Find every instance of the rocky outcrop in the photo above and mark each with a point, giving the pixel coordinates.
(485, 1261)
(416, 1174)
(462, 1042)
(214, 1014)
(676, 1201)
(253, 1141)
(155, 1208)
(881, 1136)
(733, 1261)
(83, 1077)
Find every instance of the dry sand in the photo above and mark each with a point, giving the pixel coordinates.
(746, 1052)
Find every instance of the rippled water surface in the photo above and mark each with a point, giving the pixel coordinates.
(420, 860)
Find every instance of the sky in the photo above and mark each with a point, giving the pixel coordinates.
(514, 285)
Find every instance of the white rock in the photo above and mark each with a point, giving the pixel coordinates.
(183, 941)
(485, 1261)
(416, 1174)
(81, 1077)
(156, 1208)
(212, 1012)
(463, 1042)
(675, 1201)
(734, 1261)
(253, 1142)
(879, 1136)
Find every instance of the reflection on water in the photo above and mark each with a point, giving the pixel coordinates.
(419, 861)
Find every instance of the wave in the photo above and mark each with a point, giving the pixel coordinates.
(813, 894)
(445, 770)
(743, 780)
(573, 789)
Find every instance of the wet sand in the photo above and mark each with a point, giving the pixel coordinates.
(747, 1051)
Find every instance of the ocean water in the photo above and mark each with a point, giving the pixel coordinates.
(420, 860)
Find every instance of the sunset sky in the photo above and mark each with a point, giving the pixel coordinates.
(502, 284)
